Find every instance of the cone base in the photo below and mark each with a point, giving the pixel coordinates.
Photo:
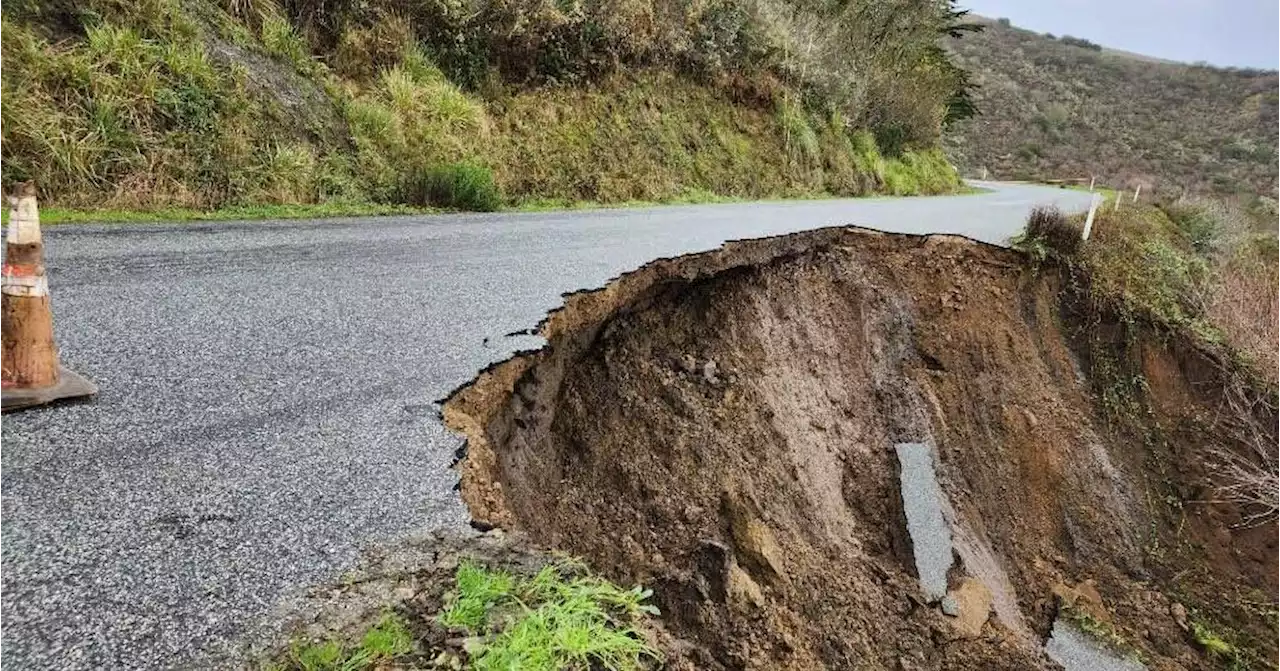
(71, 385)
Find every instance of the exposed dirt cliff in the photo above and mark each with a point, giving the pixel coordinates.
(722, 427)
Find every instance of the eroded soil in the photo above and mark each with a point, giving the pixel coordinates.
(722, 427)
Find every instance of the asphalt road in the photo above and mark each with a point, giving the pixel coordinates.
(267, 400)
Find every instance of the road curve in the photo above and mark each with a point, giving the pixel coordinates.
(267, 392)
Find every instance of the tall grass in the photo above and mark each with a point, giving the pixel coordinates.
(123, 119)
(462, 186)
(282, 40)
(141, 113)
(1049, 234)
(1243, 302)
(410, 119)
(914, 173)
(798, 135)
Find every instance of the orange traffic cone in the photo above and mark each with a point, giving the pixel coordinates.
(31, 373)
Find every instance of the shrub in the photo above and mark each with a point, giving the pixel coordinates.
(462, 186)
(1049, 234)
(1142, 266)
(1080, 42)
(1267, 206)
(1197, 222)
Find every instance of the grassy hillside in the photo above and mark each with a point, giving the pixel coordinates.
(1061, 108)
(473, 103)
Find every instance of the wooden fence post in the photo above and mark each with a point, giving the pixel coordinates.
(1088, 221)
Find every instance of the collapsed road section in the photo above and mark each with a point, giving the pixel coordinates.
(763, 433)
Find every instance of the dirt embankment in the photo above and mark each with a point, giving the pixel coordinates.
(722, 427)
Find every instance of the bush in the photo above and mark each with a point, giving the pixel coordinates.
(1080, 42)
(463, 186)
(1141, 265)
(1049, 234)
(1197, 222)
(1267, 206)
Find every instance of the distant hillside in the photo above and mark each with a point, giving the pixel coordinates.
(1065, 107)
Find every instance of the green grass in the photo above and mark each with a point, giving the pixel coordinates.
(1217, 646)
(385, 641)
(462, 186)
(71, 215)
(1141, 263)
(146, 112)
(282, 41)
(553, 620)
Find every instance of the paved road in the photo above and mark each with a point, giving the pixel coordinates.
(267, 395)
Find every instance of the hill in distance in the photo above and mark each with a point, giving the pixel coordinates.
(1063, 107)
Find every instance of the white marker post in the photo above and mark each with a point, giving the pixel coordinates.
(1091, 180)
(1136, 192)
(1088, 221)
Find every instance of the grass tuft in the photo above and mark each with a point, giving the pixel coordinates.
(1219, 648)
(283, 42)
(385, 641)
(553, 620)
(461, 186)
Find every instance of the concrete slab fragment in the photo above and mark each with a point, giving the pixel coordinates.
(923, 502)
(1077, 651)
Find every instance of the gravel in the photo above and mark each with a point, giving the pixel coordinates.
(267, 401)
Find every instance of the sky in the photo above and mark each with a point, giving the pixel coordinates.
(1242, 33)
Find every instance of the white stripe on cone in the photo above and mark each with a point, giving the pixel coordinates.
(24, 285)
(24, 229)
(24, 221)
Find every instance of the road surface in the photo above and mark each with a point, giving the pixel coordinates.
(267, 399)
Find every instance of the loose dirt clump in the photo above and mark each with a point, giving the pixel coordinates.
(721, 427)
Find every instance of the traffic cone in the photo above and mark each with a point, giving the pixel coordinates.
(31, 373)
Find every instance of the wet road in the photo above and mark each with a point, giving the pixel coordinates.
(267, 392)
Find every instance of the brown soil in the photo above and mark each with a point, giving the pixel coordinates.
(721, 426)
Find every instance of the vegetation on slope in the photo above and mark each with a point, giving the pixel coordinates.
(559, 617)
(1198, 281)
(1204, 268)
(474, 103)
(1064, 108)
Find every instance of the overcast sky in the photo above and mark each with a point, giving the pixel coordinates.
(1222, 32)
